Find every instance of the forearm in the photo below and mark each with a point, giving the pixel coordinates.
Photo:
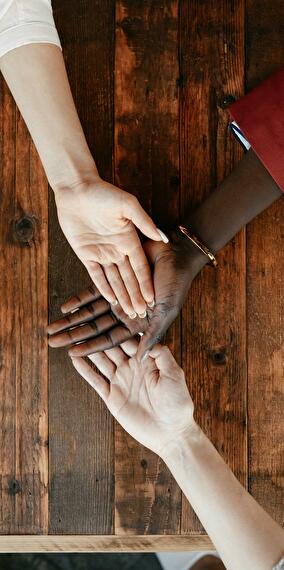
(243, 533)
(244, 194)
(37, 78)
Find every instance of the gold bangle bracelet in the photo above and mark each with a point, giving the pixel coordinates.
(201, 246)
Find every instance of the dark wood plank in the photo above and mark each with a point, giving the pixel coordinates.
(31, 308)
(265, 243)
(214, 325)
(81, 440)
(147, 498)
(24, 411)
(7, 338)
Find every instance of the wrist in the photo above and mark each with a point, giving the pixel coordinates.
(79, 182)
(181, 445)
(194, 259)
(73, 167)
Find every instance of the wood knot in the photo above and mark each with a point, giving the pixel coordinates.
(14, 487)
(174, 180)
(226, 101)
(180, 80)
(24, 229)
(143, 463)
(219, 356)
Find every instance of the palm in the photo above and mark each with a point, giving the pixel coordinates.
(105, 237)
(150, 404)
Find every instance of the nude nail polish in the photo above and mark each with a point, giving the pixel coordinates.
(114, 303)
(151, 305)
(133, 316)
(143, 315)
(165, 239)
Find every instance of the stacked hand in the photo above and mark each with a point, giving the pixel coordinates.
(99, 222)
(149, 400)
(98, 326)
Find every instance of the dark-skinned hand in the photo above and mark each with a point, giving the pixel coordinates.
(91, 321)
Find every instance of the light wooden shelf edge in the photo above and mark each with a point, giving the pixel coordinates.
(103, 543)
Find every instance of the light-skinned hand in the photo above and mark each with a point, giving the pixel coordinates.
(98, 220)
(150, 400)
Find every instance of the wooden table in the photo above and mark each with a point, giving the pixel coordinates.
(151, 82)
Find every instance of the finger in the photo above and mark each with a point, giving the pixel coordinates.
(115, 337)
(119, 289)
(133, 211)
(132, 286)
(78, 334)
(98, 277)
(87, 296)
(141, 269)
(117, 355)
(163, 357)
(87, 313)
(104, 364)
(130, 346)
(94, 379)
(159, 324)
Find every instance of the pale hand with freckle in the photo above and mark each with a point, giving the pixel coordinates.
(150, 400)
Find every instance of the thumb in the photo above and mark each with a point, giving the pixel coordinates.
(133, 211)
(163, 357)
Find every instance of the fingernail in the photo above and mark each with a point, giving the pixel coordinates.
(152, 304)
(143, 315)
(74, 310)
(140, 334)
(165, 239)
(114, 303)
(145, 356)
(133, 316)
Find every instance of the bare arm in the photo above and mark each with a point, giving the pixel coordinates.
(37, 78)
(244, 534)
(152, 403)
(97, 218)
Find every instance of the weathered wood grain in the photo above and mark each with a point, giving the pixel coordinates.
(213, 319)
(7, 338)
(91, 543)
(147, 499)
(168, 67)
(81, 442)
(265, 286)
(23, 371)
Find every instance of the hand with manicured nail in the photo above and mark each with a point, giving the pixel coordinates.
(150, 400)
(99, 326)
(99, 220)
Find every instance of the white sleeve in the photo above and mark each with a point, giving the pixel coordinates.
(26, 22)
